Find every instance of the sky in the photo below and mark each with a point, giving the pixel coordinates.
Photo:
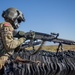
(45, 16)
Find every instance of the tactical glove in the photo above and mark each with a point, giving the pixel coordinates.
(21, 34)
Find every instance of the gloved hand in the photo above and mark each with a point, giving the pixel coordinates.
(21, 33)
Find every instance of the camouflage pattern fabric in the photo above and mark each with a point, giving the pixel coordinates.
(7, 41)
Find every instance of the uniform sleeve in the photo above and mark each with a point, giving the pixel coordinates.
(7, 36)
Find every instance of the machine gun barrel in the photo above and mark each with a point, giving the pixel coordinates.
(64, 41)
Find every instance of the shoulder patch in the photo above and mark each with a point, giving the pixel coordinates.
(7, 24)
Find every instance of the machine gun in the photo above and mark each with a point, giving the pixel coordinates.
(53, 37)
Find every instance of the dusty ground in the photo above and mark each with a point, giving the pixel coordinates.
(54, 47)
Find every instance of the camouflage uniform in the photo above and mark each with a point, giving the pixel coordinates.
(7, 42)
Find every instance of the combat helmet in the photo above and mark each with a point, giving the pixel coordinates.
(14, 16)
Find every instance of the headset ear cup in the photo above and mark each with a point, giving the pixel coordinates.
(3, 14)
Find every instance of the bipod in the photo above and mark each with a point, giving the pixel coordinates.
(60, 47)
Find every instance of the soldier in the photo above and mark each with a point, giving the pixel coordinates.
(13, 17)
